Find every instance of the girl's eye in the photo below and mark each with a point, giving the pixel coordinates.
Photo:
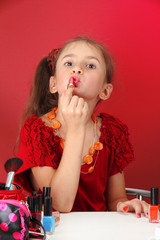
(68, 64)
(91, 66)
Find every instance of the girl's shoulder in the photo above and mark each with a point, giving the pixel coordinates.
(34, 122)
(38, 144)
(113, 124)
(114, 133)
(33, 119)
(36, 125)
(110, 119)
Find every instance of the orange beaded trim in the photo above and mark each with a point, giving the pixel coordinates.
(56, 124)
(51, 115)
(91, 169)
(88, 159)
(94, 118)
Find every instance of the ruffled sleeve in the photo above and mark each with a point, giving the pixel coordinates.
(115, 135)
(38, 147)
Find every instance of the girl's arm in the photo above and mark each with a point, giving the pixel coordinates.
(65, 179)
(115, 191)
(117, 199)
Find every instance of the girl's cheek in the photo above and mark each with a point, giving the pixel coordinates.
(61, 88)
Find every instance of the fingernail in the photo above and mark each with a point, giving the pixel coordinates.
(139, 215)
(147, 214)
(125, 208)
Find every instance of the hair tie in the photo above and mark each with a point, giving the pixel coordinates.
(51, 58)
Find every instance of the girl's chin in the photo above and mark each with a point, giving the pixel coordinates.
(77, 92)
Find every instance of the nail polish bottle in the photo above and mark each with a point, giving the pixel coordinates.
(46, 193)
(34, 193)
(48, 220)
(154, 208)
(33, 203)
(39, 196)
(56, 215)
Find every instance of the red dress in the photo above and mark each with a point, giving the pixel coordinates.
(40, 147)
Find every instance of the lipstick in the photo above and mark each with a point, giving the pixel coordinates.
(73, 81)
(35, 209)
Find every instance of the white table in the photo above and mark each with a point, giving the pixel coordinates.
(103, 226)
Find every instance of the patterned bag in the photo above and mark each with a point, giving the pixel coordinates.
(15, 216)
(14, 221)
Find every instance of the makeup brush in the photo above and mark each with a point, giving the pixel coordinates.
(11, 166)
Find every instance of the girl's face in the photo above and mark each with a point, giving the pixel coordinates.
(85, 62)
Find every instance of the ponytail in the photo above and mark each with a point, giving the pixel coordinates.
(41, 100)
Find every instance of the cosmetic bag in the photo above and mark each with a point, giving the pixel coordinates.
(15, 219)
(17, 193)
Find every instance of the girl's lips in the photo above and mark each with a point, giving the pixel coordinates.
(74, 80)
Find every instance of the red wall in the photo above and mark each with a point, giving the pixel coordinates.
(131, 30)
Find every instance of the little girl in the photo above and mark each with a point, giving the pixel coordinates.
(63, 145)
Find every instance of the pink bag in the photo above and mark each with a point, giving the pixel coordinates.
(15, 216)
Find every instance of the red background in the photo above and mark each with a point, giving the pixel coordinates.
(131, 30)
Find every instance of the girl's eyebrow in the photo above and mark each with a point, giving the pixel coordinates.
(68, 55)
(89, 57)
(92, 57)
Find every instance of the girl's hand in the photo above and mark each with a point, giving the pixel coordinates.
(74, 109)
(134, 205)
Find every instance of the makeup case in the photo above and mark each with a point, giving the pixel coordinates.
(15, 217)
(17, 193)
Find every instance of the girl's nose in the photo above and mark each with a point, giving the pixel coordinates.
(77, 70)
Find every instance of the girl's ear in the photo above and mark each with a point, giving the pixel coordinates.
(52, 84)
(106, 91)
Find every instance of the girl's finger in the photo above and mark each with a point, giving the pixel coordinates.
(74, 102)
(80, 103)
(135, 204)
(145, 207)
(122, 207)
(138, 210)
(66, 96)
